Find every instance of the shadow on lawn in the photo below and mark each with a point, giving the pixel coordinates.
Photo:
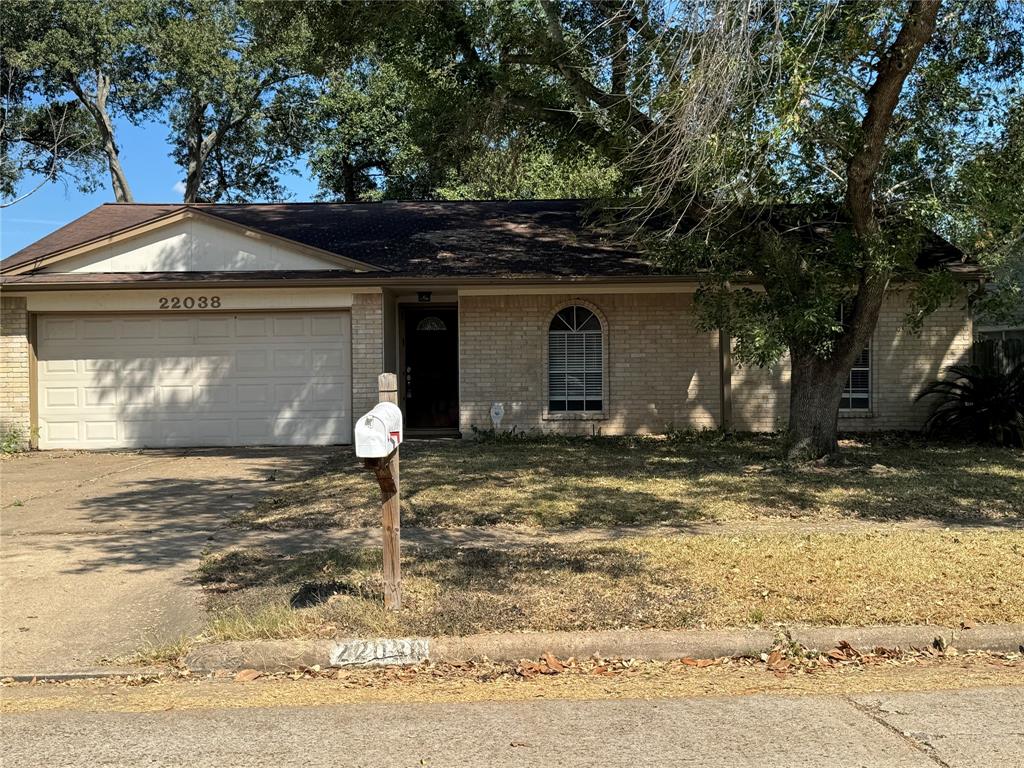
(613, 482)
(451, 590)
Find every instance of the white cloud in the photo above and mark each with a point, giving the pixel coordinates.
(179, 188)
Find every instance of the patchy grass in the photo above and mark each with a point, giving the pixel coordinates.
(561, 483)
(171, 652)
(641, 582)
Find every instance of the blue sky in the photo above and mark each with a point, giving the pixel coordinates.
(153, 176)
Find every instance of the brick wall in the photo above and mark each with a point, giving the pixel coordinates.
(760, 397)
(14, 371)
(367, 350)
(662, 372)
(901, 364)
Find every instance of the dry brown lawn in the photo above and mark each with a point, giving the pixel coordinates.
(682, 581)
(607, 482)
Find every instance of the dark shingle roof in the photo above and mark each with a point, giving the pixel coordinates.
(536, 239)
(430, 239)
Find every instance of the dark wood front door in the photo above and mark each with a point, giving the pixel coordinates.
(431, 345)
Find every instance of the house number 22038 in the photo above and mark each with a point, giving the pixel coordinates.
(189, 302)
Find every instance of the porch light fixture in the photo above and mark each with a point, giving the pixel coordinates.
(423, 296)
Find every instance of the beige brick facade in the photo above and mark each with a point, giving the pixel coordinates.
(367, 350)
(661, 371)
(14, 369)
(901, 364)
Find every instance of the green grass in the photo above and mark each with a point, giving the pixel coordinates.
(607, 482)
(667, 582)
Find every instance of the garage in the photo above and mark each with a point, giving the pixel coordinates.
(200, 379)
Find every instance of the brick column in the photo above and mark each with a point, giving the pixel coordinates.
(14, 371)
(367, 350)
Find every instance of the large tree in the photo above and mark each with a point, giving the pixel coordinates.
(93, 54)
(798, 145)
(236, 93)
(866, 120)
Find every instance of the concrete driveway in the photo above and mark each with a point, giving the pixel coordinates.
(96, 549)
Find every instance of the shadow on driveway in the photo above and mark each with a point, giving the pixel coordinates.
(97, 548)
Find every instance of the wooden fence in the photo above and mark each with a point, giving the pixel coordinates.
(1003, 354)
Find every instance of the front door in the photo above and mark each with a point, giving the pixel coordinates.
(431, 345)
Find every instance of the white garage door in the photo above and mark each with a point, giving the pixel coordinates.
(111, 381)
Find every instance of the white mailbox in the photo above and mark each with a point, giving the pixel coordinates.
(379, 432)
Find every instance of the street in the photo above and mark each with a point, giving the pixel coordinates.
(981, 727)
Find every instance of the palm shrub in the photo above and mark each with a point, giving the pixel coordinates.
(979, 402)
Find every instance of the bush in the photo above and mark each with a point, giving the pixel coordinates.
(12, 440)
(978, 402)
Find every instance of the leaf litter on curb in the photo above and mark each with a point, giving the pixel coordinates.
(783, 659)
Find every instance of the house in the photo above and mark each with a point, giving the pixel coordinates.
(200, 325)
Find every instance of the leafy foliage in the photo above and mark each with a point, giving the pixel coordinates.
(236, 92)
(68, 64)
(984, 404)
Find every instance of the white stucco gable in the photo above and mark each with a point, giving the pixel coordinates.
(198, 244)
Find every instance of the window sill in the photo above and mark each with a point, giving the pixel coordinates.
(848, 414)
(574, 416)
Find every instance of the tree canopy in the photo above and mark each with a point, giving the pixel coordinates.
(807, 146)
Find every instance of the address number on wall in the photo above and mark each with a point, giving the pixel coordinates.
(189, 302)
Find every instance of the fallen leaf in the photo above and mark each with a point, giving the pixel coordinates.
(247, 675)
(553, 663)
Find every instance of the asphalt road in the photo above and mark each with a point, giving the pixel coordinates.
(951, 729)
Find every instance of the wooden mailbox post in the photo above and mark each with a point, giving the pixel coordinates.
(386, 471)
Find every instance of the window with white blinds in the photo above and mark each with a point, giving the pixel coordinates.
(857, 390)
(575, 361)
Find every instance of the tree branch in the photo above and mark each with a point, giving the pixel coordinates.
(617, 104)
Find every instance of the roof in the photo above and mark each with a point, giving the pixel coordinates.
(520, 239)
(431, 239)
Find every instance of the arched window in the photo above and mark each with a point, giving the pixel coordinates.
(575, 361)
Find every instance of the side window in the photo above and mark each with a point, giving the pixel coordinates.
(575, 361)
(857, 390)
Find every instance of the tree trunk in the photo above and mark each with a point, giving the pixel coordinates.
(815, 390)
(96, 105)
(198, 144)
(348, 173)
(817, 384)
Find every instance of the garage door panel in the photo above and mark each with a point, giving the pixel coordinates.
(56, 329)
(99, 329)
(213, 328)
(136, 381)
(60, 431)
(251, 361)
(60, 397)
(247, 326)
(99, 397)
(175, 328)
(292, 325)
(138, 329)
(286, 360)
(101, 431)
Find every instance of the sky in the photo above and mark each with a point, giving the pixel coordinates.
(153, 176)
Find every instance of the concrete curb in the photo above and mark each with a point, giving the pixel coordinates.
(659, 645)
(85, 674)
